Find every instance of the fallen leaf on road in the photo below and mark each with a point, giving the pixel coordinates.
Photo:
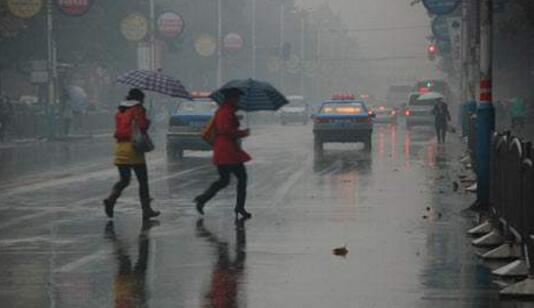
(340, 251)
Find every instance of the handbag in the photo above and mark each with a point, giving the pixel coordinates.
(208, 132)
(140, 140)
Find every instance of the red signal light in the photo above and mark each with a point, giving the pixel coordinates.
(407, 112)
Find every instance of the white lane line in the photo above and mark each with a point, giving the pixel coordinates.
(286, 186)
(85, 260)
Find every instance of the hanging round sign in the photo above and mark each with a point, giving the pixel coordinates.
(74, 7)
(205, 45)
(24, 8)
(134, 27)
(440, 28)
(441, 7)
(233, 42)
(170, 24)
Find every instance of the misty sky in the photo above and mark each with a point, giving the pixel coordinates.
(372, 14)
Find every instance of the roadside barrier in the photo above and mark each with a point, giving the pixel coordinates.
(511, 211)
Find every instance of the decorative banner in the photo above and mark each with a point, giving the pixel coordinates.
(205, 45)
(134, 27)
(455, 31)
(441, 7)
(170, 24)
(233, 43)
(24, 8)
(74, 7)
(440, 28)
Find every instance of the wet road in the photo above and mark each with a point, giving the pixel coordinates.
(58, 249)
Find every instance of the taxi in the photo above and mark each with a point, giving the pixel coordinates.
(342, 119)
(186, 123)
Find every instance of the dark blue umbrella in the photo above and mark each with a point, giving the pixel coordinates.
(256, 95)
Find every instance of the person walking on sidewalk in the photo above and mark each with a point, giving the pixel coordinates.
(227, 154)
(126, 157)
(441, 118)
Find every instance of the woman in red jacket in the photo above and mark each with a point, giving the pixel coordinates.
(126, 157)
(227, 154)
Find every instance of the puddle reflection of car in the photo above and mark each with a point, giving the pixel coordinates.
(344, 121)
(384, 114)
(295, 112)
(186, 124)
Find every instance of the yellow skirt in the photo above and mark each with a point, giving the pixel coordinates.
(125, 154)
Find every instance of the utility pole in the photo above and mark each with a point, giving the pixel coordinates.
(301, 62)
(485, 111)
(219, 43)
(282, 43)
(52, 72)
(254, 39)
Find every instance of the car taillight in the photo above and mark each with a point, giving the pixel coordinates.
(407, 112)
(317, 120)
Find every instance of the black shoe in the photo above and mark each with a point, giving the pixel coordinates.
(243, 212)
(148, 212)
(199, 205)
(108, 207)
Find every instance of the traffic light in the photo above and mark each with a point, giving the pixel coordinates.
(431, 51)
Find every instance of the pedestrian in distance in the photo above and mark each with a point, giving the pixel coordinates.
(127, 158)
(441, 119)
(227, 153)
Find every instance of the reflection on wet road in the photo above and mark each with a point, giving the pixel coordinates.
(59, 250)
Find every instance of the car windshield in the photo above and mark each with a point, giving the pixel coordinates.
(342, 108)
(198, 105)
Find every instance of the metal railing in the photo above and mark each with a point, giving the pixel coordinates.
(512, 190)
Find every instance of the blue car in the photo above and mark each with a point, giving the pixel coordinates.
(186, 124)
(342, 121)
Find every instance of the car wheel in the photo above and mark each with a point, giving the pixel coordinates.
(318, 146)
(368, 143)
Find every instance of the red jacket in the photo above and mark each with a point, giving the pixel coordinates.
(226, 149)
(129, 110)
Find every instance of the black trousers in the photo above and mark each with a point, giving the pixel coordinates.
(224, 179)
(141, 172)
(441, 132)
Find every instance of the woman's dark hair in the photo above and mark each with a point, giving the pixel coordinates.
(135, 95)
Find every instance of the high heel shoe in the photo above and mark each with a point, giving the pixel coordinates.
(243, 212)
